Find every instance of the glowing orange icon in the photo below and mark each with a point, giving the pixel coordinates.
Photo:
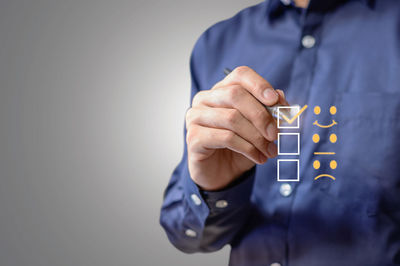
(317, 111)
(332, 138)
(317, 165)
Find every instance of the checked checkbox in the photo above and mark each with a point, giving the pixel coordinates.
(288, 122)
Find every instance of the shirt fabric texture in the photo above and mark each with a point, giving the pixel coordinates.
(354, 64)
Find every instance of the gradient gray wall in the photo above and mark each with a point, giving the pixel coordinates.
(92, 101)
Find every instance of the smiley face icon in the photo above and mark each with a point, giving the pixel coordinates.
(332, 111)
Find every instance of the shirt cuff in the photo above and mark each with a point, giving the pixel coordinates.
(232, 197)
(193, 197)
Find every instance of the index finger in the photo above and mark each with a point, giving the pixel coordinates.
(261, 89)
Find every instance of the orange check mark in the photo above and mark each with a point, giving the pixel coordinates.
(295, 116)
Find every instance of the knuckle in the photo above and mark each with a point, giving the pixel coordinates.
(235, 93)
(191, 136)
(217, 85)
(195, 142)
(240, 71)
(251, 150)
(259, 87)
(232, 116)
(228, 137)
(188, 136)
(261, 116)
(190, 116)
(259, 139)
(198, 98)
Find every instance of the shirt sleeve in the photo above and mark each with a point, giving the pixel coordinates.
(202, 221)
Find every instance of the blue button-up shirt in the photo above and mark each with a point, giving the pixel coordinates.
(350, 59)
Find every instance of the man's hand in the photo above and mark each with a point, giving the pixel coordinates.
(229, 130)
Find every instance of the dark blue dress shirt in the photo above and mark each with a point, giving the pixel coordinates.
(334, 53)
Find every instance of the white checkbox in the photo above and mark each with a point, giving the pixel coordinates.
(281, 162)
(298, 144)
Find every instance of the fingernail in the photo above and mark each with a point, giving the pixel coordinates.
(272, 131)
(272, 149)
(270, 94)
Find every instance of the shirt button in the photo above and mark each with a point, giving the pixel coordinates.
(308, 41)
(285, 190)
(190, 233)
(221, 204)
(275, 264)
(195, 199)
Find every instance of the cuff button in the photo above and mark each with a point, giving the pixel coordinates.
(190, 233)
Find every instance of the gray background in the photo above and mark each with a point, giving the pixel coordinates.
(92, 101)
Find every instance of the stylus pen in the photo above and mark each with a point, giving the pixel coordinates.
(288, 111)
